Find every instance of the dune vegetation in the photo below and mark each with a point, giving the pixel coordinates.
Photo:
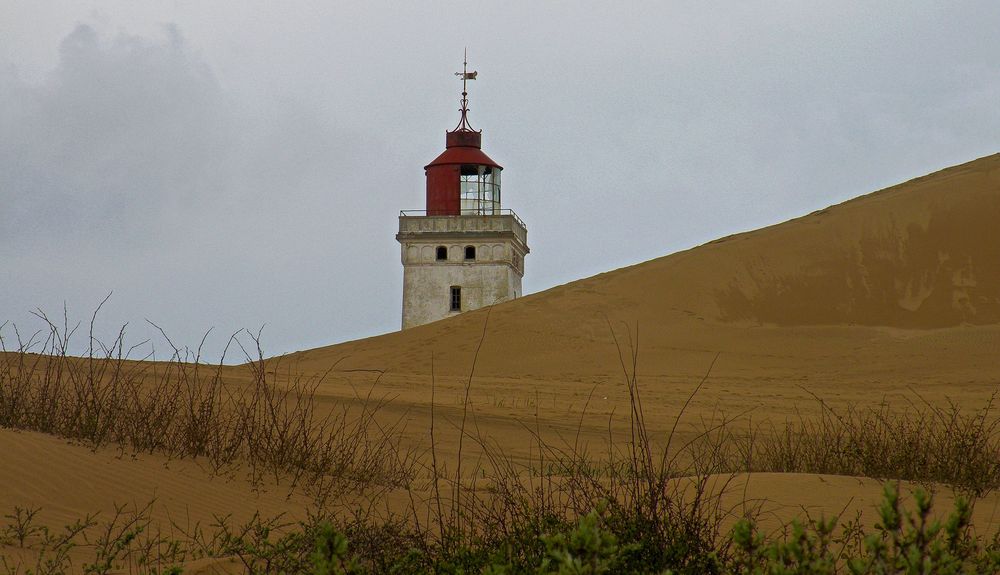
(648, 504)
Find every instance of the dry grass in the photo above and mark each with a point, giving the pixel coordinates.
(920, 442)
(636, 482)
(653, 492)
(183, 408)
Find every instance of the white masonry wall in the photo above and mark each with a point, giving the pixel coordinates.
(494, 276)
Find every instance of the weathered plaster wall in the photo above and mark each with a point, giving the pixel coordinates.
(493, 277)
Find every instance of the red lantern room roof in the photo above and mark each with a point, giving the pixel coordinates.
(463, 145)
(463, 155)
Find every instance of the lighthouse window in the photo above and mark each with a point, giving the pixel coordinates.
(470, 252)
(456, 298)
(480, 190)
(442, 253)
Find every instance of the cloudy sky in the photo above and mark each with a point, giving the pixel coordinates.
(238, 164)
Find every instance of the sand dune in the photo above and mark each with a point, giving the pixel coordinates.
(918, 256)
(891, 296)
(894, 295)
(68, 482)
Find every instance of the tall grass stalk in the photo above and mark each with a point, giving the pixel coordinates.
(919, 442)
(647, 504)
(183, 408)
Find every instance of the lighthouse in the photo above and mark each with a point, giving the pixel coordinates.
(463, 251)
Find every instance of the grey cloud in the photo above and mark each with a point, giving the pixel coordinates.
(130, 168)
(117, 133)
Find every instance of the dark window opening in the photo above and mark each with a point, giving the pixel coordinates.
(470, 252)
(456, 298)
(442, 253)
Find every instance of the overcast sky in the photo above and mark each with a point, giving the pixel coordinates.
(235, 164)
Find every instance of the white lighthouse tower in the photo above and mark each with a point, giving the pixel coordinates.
(463, 251)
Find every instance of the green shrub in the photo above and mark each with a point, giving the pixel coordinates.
(903, 542)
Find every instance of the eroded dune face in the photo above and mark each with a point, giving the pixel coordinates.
(923, 254)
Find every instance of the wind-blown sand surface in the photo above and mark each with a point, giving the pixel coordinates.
(893, 296)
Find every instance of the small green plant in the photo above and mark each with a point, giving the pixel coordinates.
(20, 526)
(330, 556)
(588, 549)
(904, 542)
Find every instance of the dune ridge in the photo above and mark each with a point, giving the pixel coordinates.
(895, 263)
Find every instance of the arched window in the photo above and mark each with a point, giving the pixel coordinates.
(470, 252)
(442, 253)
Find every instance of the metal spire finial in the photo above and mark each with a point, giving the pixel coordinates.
(463, 124)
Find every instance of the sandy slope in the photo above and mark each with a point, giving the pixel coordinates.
(894, 295)
(891, 296)
(68, 482)
(920, 255)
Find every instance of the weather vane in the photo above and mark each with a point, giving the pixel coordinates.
(466, 75)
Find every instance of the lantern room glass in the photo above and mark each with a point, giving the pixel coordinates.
(480, 190)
